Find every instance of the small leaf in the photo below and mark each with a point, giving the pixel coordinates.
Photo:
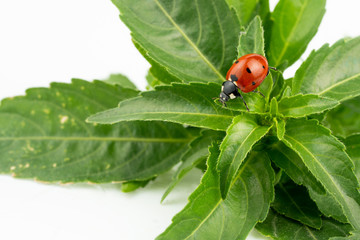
(287, 92)
(294, 202)
(133, 185)
(121, 80)
(197, 152)
(303, 105)
(208, 216)
(352, 144)
(266, 87)
(44, 136)
(242, 134)
(274, 110)
(332, 72)
(344, 120)
(291, 163)
(179, 35)
(189, 104)
(246, 10)
(252, 40)
(279, 84)
(279, 227)
(295, 22)
(152, 81)
(325, 157)
(280, 128)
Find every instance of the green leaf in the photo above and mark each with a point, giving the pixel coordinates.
(280, 128)
(152, 81)
(303, 105)
(287, 92)
(208, 216)
(352, 144)
(44, 136)
(354, 236)
(325, 157)
(246, 10)
(252, 40)
(157, 71)
(274, 108)
(121, 80)
(179, 35)
(197, 153)
(279, 84)
(242, 134)
(255, 102)
(295, 22)
(190, 104)
(279, 227)
(291, 163)
(344, 120)
(332, 72)
(294, 202)
(133, 185)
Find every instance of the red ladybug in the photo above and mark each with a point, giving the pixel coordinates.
(246, 74)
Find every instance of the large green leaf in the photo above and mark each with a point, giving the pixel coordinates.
(344, 120)
(326, 159)
(197, 153)
(303, 105)
(291, 163)
(352, 144)
(180, 35)
(295, 22)
(208, 216)
(190, 104)
(332, 72)
(279, 227)
(44, 136)
(294, 202)
(243, 133)
(246, 10)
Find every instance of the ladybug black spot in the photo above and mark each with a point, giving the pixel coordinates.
(248, 70)
(263, 67)
(236, 61)
(233, 78)
(253, 83)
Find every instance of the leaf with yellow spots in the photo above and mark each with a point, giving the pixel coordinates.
(44, 136)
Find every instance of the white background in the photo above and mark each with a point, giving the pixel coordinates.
(42, 41)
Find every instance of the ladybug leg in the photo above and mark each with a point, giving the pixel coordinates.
(237, 94)
(255, 91)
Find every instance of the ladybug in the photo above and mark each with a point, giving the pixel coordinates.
(246, 74)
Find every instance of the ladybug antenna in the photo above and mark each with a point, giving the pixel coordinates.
(273, 68)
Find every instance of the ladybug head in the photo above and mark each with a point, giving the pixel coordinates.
(223, 97)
